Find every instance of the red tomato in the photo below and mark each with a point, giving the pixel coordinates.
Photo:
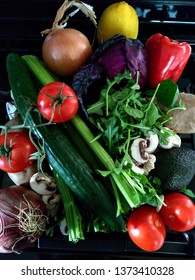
(146, 228)
(14, 156)
(57, 102)
(179, 212)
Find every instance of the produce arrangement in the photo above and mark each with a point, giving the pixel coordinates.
(94, 140)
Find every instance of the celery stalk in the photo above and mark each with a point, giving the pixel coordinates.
(38, 68)
(96, 147)
(120, 180)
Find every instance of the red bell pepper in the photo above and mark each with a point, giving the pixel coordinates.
(166, 59)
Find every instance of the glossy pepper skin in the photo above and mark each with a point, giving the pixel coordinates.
(166, 59)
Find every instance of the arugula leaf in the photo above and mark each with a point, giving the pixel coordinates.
(151, 115)
(122, 107)
(134, 112)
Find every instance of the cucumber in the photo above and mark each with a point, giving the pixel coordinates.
(60, 153)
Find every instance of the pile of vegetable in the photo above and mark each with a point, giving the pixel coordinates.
(82, 143)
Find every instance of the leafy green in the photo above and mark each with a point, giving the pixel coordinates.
(188, 192)
(172, 93)
(122, 114)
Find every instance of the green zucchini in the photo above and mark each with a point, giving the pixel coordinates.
(60, 152)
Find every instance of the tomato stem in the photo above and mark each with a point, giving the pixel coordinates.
(4, 151)
(60, 98)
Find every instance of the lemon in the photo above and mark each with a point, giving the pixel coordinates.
(118, 18)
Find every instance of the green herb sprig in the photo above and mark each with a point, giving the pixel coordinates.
(124, 113)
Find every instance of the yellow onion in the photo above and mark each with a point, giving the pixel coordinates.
(65, 50)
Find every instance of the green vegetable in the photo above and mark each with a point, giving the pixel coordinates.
(172, 93)
(73, 216)
(59, 151)
(125, 186)
(123, 113)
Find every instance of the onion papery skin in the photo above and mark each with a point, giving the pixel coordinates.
(65, 50)
(17, 204)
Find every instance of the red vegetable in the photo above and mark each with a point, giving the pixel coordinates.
(57, 102)
(23, 218)
(166, 58)
(15, 151)
(179, 212)
(146, 228)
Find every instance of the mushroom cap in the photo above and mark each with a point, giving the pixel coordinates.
(138, 150)
(152, 142)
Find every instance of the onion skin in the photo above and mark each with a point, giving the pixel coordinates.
(65, 50)
(13, 236)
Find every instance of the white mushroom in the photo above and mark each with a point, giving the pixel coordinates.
(141, 152)
(142, 148)
(138, 150)
(51, 199)
(43, 184)
(52, 210)
(149, 165)
(152, 142)
(63, 226)
(23, 177)
(172, 141)
(137, 169)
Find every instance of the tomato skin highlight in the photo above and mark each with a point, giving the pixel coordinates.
(21, 148)
(146, 228)
(57, 102)
(179, 212)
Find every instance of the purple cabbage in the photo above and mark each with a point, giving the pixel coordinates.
(115, 56)
(126, 55)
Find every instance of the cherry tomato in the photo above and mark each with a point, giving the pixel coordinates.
(15, 153)
(57, 102)
(146, 228)
(179, 212)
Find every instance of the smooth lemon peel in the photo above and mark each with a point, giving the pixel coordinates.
(118, 18)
